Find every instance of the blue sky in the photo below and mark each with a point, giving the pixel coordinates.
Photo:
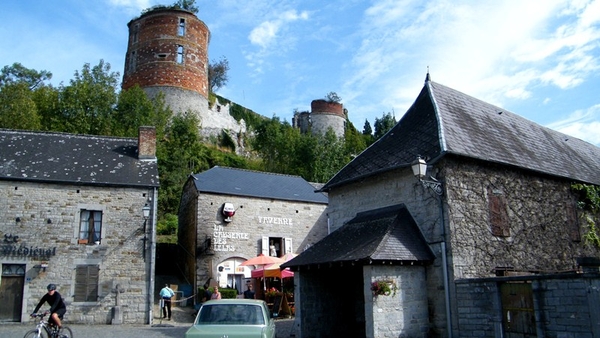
(539, 61)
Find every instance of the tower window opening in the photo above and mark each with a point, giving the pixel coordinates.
(136, 30)
(181, 30)
(180, 54)
(132, 61)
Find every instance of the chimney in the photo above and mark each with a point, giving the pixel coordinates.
(147, 143)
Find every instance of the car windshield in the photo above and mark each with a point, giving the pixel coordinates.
(227, 314)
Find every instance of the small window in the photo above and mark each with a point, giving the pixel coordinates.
(132, 61)
(181, 30)
(180, 54)
(136, 30)
(86, 283)
(90, 227)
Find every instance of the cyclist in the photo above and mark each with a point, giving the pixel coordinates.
(57, 305)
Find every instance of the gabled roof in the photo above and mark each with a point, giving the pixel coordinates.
(74, 159)
(445, 121)
(241, 182)
(389, 234)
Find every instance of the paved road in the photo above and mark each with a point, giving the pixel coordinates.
(182, 320)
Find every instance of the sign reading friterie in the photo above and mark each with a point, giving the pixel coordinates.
(222, 239)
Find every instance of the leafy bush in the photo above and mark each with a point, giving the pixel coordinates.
(167, 225)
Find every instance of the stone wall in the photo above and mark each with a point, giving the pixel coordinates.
(565, 305)
(544, 234)
(403, 313)
(49, 219)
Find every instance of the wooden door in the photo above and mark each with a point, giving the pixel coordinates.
(518, 316)
(11, 292)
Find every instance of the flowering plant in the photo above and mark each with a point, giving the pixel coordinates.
(272, 292)
(384, 288)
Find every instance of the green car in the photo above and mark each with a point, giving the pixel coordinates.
(233, 318)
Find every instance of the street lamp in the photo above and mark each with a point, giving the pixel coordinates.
(146, 213)
(419, 168)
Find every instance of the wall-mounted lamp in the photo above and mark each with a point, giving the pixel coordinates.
(49, 221)
(42, 266)
(146, 211)
(18, 219)
(419, 168)
(146, 214)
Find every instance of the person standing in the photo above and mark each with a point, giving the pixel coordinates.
(57, 305)
(249, 294)
(216, 294)
(207, 295)
(166, 294)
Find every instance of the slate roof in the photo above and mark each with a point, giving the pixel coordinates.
(241, 182)
(388, 234)
(74, 159)
(445, 121)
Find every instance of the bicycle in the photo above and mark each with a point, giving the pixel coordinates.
(44, 329)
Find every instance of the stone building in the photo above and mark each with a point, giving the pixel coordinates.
(270, 211)
(78, 211)
(324, 115)
(495, 210)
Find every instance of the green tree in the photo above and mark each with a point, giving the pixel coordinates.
(135, 109)
(180, 153)
(354, 142)
(17, 107)
(330, 157)
(383, 125)
(87, 103)
(367, 130)
(17, 73)
(47, 103)
(217, 74)
(188, 5)
(333, 97)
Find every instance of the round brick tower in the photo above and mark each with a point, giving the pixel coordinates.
(325, 115)
(168, 52)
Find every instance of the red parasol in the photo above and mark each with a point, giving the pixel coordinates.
(272, 272)
(262, 260)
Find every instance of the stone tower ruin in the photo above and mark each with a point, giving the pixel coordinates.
(323, 115)
(168, 52)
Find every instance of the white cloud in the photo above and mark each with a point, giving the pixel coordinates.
(583, 124)
(496, 51)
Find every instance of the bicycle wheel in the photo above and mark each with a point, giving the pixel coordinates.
(35, 334)
(65, 332)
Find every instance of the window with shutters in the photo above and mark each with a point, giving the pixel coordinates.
(86, 283)
(90, 227)
(276, 246)
(498, 213)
